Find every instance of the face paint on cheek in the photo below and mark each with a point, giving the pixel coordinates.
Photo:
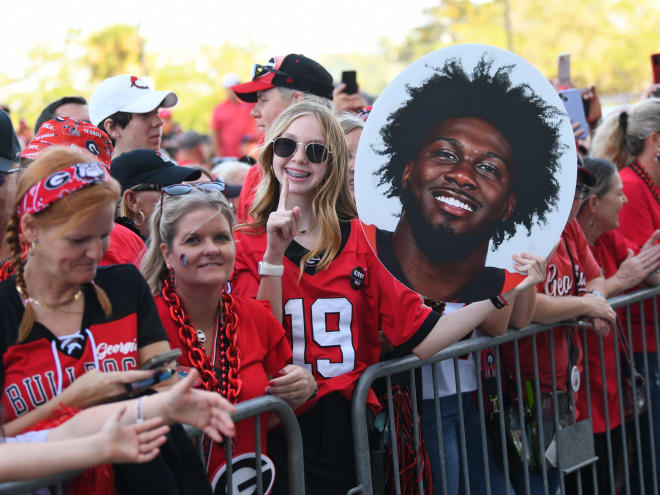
(184, 260)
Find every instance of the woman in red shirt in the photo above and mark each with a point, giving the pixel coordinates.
(599, 219)
(631, 140)
(565, 294)
(234, 342)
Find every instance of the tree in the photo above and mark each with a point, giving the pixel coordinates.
(610, 40)
(113, 50)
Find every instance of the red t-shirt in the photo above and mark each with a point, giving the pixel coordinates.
(332, 317)
(125, 247)
(559, 281)
(231, 122)
(263, 351)
(250, 184)
(610, 249)
(638, 219)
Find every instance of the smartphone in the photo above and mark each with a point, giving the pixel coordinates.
(161, 359)
(564, 69)
(159, 376)
(349, 78)
(572, 100)
(655, 65)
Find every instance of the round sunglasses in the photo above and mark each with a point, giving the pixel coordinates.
(315, 152)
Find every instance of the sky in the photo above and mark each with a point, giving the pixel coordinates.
(284, 26)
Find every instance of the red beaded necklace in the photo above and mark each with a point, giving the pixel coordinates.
(643, 174)
(227, 359)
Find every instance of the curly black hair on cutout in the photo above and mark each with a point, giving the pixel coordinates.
(529, 124)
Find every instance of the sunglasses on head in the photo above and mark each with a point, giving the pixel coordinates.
(10, 171)
(179, 189)
(259, 70)
(315, 152)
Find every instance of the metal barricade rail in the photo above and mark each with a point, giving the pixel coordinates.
(244, 410)
(570, 462)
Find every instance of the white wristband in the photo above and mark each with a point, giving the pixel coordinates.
(139, 413)
(270, 270)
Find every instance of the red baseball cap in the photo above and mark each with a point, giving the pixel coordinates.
(72, 133)
(291, 71)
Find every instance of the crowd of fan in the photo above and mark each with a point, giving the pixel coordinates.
(123, 237)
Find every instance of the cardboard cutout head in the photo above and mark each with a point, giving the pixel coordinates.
(466, 159)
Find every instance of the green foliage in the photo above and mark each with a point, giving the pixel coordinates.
(609, 40)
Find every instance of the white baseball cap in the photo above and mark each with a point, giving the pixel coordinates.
(126, 93)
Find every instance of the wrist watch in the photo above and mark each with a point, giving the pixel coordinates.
(270, 270)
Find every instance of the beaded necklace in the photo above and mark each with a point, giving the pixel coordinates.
(643, 174)
(222, 375)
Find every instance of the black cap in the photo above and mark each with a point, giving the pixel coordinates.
(293, 71)
(145, 166)
(10, 148)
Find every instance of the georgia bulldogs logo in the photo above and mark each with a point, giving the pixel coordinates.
(71, 130)
(89, 171)
(57, 180)
(244, 475)
(136, 82)
(91, 147)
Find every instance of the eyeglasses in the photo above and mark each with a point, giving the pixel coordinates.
(315, 152)
(7, 172)
(581, 191)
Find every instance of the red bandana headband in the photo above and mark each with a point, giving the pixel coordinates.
(62, 183)
(74, 134)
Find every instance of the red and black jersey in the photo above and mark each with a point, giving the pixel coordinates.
(490, 282)
(332, 316)
(39, 368)
(263, 351)
(561, 277)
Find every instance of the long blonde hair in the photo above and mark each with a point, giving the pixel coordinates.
(66, 213)
(332, 202)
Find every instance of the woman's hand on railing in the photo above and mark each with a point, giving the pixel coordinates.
(294, 384)
(597, 307)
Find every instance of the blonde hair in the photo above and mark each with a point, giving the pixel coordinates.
(172, 209)
(622, 135)
(66, 213)
(332, 202)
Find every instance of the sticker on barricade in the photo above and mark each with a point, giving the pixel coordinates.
(244, 475)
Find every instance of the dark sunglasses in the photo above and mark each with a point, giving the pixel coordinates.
(315, 152)
(259, 70)
(10, 171)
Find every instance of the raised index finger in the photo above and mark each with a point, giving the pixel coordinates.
(284, 192)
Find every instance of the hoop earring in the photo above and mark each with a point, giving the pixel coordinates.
(141, 221)
(592, 223)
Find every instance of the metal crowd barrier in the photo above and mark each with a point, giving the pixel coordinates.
(244, 410)
(574, 443)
